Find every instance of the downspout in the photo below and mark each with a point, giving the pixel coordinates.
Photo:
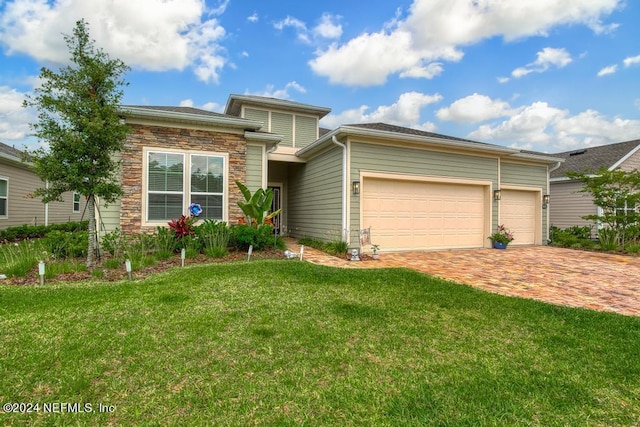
(549, 192)
(46, 207)
(345, 182)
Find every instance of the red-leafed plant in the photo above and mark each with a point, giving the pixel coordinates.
(183, 226)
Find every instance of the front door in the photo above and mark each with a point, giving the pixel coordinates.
(275, 205)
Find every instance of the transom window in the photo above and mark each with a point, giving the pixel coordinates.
(175, 180)
(4, 197)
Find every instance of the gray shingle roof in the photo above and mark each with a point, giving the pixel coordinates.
(409, 131)
(184, 110)
(7, 149)
(593, 158)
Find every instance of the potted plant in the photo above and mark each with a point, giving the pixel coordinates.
(501, 238)
(375, 249)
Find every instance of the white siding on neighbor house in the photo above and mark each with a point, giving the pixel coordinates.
(23, 208)
(631, 163)
(315, 197)
(568, 205)
(382, 158)
(254, 167)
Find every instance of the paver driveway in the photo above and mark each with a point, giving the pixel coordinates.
(555, 275)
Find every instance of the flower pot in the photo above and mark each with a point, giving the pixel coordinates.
(498, 245)
(375, 256)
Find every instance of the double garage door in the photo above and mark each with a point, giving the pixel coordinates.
(418, 215)
(414, 215)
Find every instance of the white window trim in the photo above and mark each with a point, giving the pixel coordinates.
(73, 202)
(2, 178)
(186, 184)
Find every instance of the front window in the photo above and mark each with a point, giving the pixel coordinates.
(4, 198)
(207, 183)
(175, 180)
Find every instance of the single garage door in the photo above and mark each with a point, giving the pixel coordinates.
(518, 213)
(414, 215)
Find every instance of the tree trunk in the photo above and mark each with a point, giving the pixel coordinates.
(92, 231)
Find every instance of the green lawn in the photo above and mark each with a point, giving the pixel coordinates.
(290, 343)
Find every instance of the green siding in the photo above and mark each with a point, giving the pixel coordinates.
(380, 158)
(315, 197)
(109, 215)
(525, 175)
(529, 176)
(282, 124)
(254, 167)
(258, 115)
(306, 130)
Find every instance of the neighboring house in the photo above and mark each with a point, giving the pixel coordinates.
(18, 206)
(414, 189)
(568, 205)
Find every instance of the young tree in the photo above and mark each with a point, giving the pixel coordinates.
(78, 118)
(617, 193)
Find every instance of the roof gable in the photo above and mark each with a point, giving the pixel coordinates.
(235, 103)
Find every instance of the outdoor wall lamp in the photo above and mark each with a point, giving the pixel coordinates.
(497, 195)
(545, 201)
(355, 187)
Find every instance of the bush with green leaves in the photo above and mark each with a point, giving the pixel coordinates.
(165, 243)
(571, 237)
(24, 232)
(18, 259)
(608, 239)
(243, 236)
(214, 236)
(63, 244)
(334, 247)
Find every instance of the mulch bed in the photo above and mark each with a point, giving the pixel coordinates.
(115, 274)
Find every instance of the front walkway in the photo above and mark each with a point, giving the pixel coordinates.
(559, 276)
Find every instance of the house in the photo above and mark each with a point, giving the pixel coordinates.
(415, 190)
(568, 205)
(18, 206)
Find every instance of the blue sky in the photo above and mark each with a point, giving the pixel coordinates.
(544, 75)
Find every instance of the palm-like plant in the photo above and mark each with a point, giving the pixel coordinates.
(257, 205)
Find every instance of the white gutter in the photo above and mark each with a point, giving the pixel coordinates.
(345, 182)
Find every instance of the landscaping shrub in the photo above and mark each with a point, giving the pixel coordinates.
(571, 237)
(214, 236)
(63, 244)
(165, 243)
(336, 247)
(18, 259)
(243, 236)
(24, 232)
(608, 239)
(113, 243)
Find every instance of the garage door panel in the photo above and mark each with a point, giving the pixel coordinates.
(406, 215)
(518, 213)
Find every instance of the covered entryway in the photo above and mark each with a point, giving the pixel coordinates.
(518, 212)
(407, 214)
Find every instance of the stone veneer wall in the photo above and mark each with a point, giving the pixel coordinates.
(178, 139)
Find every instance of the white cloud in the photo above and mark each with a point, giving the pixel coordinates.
(542, 127)
(474, 108)
(547, 58)
(282, 93)
(436, 30)
(328, 28)
(299, 26)
(209, 106)
(611, 69)
(152, 35)
(14, 119)
(631, 60)
(404, 112)
(253, 18)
